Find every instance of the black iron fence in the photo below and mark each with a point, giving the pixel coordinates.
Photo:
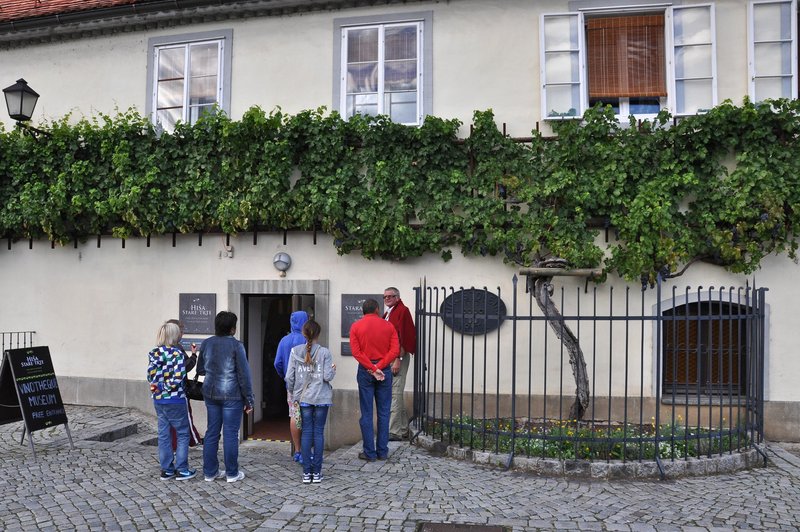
(667, 374)
(16, 339)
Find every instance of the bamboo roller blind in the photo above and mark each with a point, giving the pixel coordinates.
(626, 56)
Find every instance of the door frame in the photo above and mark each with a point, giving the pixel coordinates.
(237, 302)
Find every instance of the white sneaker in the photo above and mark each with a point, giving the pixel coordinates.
(220, 474)
(238, 477)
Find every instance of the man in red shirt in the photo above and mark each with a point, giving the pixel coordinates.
(398, 315)
(375, 345)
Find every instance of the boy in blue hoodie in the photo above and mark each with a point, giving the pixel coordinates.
(294, 338)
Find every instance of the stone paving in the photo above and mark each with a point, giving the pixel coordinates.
(114, 485)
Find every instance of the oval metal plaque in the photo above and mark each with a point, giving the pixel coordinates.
(473, 311)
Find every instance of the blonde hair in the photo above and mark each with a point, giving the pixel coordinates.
(168, 334)
(311, 330)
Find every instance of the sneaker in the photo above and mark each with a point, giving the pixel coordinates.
(363, 456)
(316, 479)
(166, 475)
(298, 457)
(186, 475)
(220, 474)
(306, 478)
(237, 478)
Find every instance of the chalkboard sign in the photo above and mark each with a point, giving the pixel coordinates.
(352, 311)
(29, 371)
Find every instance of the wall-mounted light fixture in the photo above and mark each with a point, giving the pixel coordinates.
(282, 262)
(21, 101)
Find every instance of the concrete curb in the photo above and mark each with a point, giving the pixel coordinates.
(611, 470)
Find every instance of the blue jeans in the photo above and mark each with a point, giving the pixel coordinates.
(313, 437)
(369, 390)
(225, 415)
(173, 415)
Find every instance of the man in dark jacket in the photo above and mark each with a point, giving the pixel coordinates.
(295, 337)
(398, 315)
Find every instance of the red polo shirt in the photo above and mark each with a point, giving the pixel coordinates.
(374, 342)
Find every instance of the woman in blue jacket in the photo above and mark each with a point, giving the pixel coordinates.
(227, 392)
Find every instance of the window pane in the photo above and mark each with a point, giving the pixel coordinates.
(644, 106)
(693, 96)
(401, 107)
(773, 88)
(561, 67)
(171, 63)
(363, 104)
(204, 59)
(692, 25)
(562, 100)
(773, 59)
(170, 94)
(561, 33)
(400, 42)
(400, 75)
(362, 45)
(196, 112)
(362, 77)
(693, 62)
(613, 102)
(203, 91)
(772, 22)
(168, 118)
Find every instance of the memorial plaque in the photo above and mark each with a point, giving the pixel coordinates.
(352, 311)
(36, 395)
(197, 312)
(473, 311)
(346, 351)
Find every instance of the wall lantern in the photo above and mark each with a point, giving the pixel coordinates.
(20, 100)
(282, 261)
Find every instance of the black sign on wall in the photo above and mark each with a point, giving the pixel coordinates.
(197, 312)
(473, 311)
(28, 374)
(351, 309)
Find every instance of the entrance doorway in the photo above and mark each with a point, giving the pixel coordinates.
(264, 308)
(266, 321)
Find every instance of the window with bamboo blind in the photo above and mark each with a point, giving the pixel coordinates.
(636, 62)
(625, 56)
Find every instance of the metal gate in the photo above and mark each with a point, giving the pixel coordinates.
(672, 373)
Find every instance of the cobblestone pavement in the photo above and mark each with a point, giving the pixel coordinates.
(114, 485)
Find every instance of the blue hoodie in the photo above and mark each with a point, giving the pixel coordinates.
(296, 320)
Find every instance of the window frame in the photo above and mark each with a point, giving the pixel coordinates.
(224, 38)
(581, 80)
(424, 60)
(751, 42)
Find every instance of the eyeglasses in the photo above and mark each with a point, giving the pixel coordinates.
(389, 296)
